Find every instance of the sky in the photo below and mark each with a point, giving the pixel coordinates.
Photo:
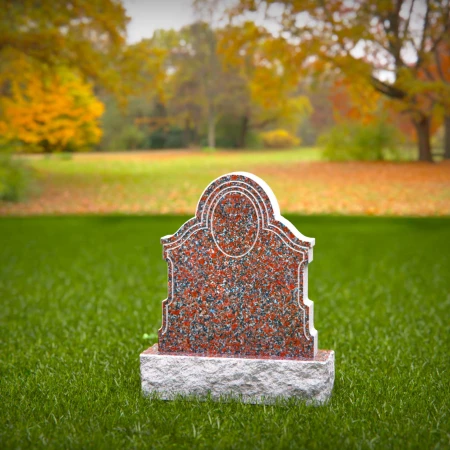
(150, 15)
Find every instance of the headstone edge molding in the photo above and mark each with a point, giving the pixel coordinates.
(262, 190)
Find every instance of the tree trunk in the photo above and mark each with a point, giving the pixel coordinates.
(243, 134)
(194, 136)
(46, 146)
(186, 133)
(211, 127)
(423, 138)
(447, 137)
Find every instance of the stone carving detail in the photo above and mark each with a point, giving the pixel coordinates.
(238, 278)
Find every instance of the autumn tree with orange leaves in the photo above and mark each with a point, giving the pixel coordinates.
(385, 43)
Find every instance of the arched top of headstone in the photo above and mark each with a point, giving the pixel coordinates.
(246, 204)
(238, 277)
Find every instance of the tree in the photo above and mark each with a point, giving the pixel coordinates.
(185, 83)
(206, 10)
(196, 81)
(321, 118)
(353, 101)
(86, 35)
(262, 87)
(437, 74)
(370, 40)
(50, 111)
(173, 78)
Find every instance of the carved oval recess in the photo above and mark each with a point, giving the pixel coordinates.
(235, 224)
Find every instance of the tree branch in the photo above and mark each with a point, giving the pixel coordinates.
(439, 67)
(424, 33)
(264, 123)
(387, 89)
(438, 40)
(408, 20)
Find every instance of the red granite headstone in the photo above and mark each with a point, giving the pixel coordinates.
(238, 280)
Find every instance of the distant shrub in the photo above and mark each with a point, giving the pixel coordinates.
(16, 179)
(157, 139)
(175, 138)
(279, 139)
(131, 138)
(254, 140)
(228, 132)
(355, 141)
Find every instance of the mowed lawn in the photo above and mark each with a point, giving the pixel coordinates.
(78, 293)
(171, 183)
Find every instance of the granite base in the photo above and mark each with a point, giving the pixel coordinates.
(247, 379)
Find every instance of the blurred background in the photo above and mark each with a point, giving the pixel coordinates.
(135, 105)
(115, 116)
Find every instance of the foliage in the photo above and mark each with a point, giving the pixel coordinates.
(228, 131)
(16, 179)
(260, 74)
(174, 138)
(212, 86)
(254, 140)
(352, 101)
(131, 138)
(185, 93)
(321, 117)
(279, 139)
(364, 41)
(50, 112)
(79, 293)
(358, 141)
(112, 123)
(140, 125)
(86, 36)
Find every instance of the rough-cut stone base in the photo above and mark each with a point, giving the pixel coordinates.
(250, 380)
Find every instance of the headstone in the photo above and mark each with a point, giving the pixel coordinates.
(237, 321)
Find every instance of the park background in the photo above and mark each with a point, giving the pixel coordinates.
(114, 116)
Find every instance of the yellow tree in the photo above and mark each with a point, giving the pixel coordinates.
(50, 112)
(261, 68)
(387, 43)
(83, 34)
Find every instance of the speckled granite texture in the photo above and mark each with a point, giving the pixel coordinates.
(237, 320)
(238, 278)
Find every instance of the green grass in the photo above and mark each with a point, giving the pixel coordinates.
(144, 176)
(218, 160)
(77, 295)
(130, 179)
